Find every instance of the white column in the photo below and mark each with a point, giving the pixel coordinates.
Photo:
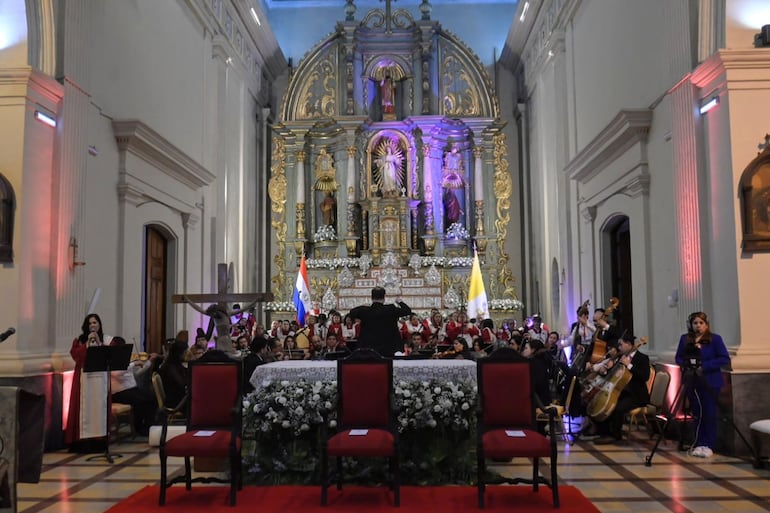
(300, 177)
(687, 208)
(351, 176)
(478, 179)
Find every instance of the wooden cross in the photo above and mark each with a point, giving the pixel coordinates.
(219, 311)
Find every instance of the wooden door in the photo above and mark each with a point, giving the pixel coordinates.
(155, 291)
(620, 238)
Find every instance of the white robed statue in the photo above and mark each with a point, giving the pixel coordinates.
(389, 166)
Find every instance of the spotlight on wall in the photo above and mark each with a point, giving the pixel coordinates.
(709, 104)
(45, 118)
(763, 38)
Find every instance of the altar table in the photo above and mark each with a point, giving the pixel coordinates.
(403, 370)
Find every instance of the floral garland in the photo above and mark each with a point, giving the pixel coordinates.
(331, 263)
(279, 306)
(505, 304)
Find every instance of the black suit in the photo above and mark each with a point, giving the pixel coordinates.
(379, 326)
(634, 395)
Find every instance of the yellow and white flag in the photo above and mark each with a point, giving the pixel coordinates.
(477, 296)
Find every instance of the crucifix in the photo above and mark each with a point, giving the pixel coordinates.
(218, 310)
(387, 15)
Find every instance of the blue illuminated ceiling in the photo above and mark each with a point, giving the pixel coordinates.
(300, 24)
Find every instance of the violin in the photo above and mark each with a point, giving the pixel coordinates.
(444, 354)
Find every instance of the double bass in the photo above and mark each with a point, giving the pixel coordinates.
(603, 392)
(600, 346)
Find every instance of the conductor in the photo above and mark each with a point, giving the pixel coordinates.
(379, 323)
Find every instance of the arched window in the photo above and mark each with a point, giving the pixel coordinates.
(7, 210)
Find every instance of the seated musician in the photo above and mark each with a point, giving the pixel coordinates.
(633, 395)
(458, 351)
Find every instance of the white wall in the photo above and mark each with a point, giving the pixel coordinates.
(620, 59)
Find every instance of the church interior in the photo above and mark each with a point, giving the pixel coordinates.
(583, 149)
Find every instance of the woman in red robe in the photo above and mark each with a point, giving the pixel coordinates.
(91, 335)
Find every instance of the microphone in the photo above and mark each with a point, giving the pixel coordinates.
(7, 333)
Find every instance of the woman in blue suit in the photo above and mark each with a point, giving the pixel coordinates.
(703, 354)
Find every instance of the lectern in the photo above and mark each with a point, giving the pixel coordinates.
(107, 359)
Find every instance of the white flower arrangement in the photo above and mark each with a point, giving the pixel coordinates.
(291, 407)
(459, 262)
(445, 262)
(428, 404)
(331, 263)
(505, 304)
(279, 306)
(325, 233)
(458, 232)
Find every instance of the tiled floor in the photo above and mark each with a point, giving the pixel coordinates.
(614, 477)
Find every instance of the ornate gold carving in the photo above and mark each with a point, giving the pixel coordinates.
(319, 101)
(325, 172)
(503, 188)
(300, 220)
(465, 86)
(321, 283)
(459, 94)
(276, 190)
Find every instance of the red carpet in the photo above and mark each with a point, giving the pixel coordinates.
(353, 499)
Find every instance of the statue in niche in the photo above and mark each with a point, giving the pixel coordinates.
(452, 207)
(453, 169)
(329, 209)
(388, 95)
(390, 170)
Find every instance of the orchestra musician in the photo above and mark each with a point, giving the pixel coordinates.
(582, 332)
(458, 351)
(633, 395)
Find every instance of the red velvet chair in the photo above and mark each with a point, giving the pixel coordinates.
(213, 425)
(507, 426)
(364, 407)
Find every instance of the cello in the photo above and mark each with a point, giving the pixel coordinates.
(603, 393)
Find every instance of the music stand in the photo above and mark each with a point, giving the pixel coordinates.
(106, 359)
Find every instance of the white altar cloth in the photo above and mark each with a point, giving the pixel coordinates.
(403, 370)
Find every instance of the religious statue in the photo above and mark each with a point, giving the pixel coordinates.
(452, 208)
(388, 95)
(453, 169)
(389, 167)
(221, 318)
(453, 161)
(329, 209)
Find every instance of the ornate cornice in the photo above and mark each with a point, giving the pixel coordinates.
(139, 139)
(629, 127)
(26, 79)
(727, 60)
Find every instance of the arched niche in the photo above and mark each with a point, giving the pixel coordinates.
(7, 212)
